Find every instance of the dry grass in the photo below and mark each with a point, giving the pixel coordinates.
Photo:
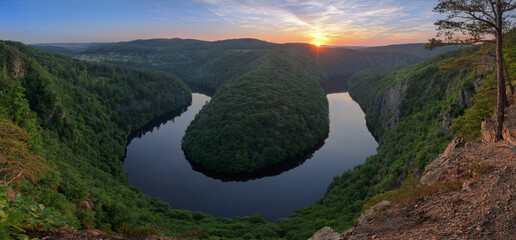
(410, 191)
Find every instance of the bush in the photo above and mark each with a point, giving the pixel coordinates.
(20, 214)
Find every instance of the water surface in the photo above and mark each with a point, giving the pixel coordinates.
(156, 164)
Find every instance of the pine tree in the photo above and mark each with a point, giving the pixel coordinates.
(478, 21)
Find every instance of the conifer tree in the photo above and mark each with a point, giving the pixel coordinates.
(478, 21)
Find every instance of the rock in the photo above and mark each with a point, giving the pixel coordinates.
(388, 103)
(466, 186)
(435, 169)
(509, 125)
(371, 212)
(445, 126)
(488, 131)
(17, 67)
(326, 233)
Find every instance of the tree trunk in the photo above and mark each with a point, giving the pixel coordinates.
(501, 97)
(511, 87)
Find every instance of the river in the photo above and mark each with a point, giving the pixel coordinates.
(156, 164)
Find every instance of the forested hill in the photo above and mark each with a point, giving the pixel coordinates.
(213, 64)
(413, 112)
(67, 122)
(256, 119)
(67, 49)
(71, 119)
(274, 112)
(416, 49)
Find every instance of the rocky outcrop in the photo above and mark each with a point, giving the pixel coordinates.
(508, 128)
(473, 198)
(386, 106)
(509, 125)
(436, 168)
(468, 192)
(488, 131)
(325, 233)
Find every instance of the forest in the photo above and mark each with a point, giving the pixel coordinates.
(275, 112)
(72, 118)
(261, 114)
(62, 114)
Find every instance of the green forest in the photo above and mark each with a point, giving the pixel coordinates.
(63, 115)
(268, 106)
(69, 120)
(272, 113)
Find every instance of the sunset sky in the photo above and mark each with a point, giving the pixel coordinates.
(331, 22)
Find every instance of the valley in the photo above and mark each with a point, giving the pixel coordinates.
(407, 109)
(155, 163)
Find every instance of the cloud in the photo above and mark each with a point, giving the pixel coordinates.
(327, 20)
(217, 13)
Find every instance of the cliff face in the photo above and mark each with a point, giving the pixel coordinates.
(386, 106)
(384, 94)
(407, 110)
(468, 192)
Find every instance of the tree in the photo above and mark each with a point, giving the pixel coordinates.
(478, 21)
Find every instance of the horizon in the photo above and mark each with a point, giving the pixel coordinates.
(229, 39)
(351, 23)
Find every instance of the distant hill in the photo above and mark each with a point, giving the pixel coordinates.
(213, 64)
(416, 49)
(67, 49)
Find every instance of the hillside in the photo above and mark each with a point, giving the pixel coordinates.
(72, 120)
(67, 49)
(274, 112)
(213, 64)
(408, 111)
(467, 192)
(236, 132)
(416, 49)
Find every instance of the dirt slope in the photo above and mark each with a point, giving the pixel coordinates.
(469, 192)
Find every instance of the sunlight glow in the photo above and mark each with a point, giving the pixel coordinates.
(318, 44)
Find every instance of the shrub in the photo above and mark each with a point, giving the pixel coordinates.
(20, 214)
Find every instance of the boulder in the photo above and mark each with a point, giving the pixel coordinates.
(435, 169)
(371, 212)
(326, 233)
(488, 131)
(509, 125)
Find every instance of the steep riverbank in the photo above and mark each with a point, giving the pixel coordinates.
(467, 192)
(408, 112)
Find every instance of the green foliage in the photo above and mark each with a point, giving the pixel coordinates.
(414, 139)
(273, 112)
(214, 64)
(84, 113)
(20, 214)
(468, 126)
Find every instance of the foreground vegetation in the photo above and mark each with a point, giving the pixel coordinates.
(76, 117)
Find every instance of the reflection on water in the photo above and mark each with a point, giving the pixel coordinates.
(267, 171)
(156, 164)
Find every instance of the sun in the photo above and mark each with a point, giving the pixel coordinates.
(318, 44)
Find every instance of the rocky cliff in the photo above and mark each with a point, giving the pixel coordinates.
(382, 93)
(468, 192)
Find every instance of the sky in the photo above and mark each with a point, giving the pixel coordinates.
(330, 22)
